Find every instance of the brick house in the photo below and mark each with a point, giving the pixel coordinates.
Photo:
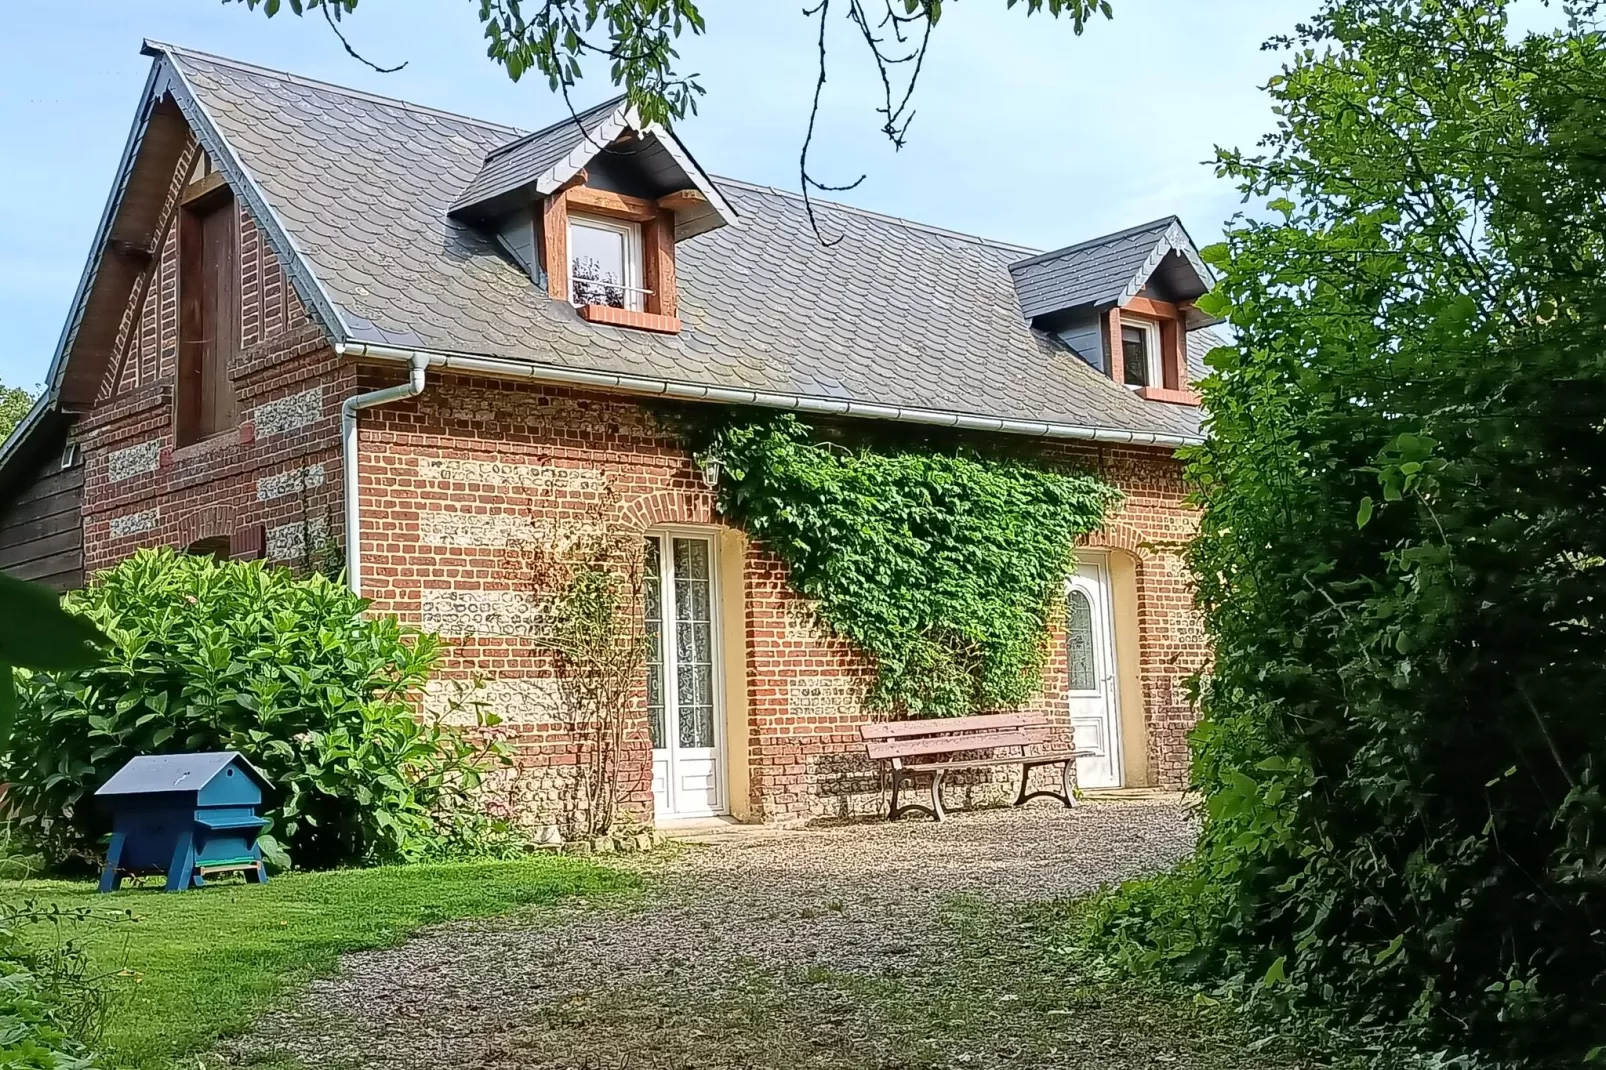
(320, 323)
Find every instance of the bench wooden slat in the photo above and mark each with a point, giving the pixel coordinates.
(911, 748)
(938, 726)
(984, 763)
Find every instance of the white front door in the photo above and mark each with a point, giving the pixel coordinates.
(1090, 649)
(683, 700)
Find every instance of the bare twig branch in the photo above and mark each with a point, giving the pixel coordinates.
(332, 17)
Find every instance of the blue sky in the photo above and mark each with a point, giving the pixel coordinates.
(1024, 132)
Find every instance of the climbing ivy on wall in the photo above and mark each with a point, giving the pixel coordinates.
(946, 566)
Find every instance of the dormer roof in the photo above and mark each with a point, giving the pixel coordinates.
(646, 156)
(1113, 269)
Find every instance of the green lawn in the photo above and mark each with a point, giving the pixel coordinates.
(201, 962)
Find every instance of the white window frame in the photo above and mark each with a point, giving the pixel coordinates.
(631, 232)
(1151, 336)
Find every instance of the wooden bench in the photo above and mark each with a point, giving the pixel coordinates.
(927, 748)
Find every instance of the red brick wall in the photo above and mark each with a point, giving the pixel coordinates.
(458, 484)
(454, 482)
(267, 485)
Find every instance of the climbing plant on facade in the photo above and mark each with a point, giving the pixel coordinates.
(946, 566)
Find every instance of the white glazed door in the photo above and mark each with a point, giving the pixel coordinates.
(1090, 649)
(682, 676)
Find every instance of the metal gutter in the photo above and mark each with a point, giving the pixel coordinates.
(349, 409)
(643, 385)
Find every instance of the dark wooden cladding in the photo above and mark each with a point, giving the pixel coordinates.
(130, 243)
(209, 316)
(41, 515)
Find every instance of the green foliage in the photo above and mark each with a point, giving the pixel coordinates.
(37, 633)
(14, 405)
(182, 971)
(1403, 553)
(208, 655)
(946, 566)
(51, 1000)
(559, 39)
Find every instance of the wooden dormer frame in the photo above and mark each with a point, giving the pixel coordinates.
(657, 222)
(1174, 387)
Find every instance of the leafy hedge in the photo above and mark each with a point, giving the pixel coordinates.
(1402, 558)
(237, 656)
(51, 1002)
(946, 566)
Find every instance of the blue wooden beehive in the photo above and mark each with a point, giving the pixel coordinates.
(186, 815)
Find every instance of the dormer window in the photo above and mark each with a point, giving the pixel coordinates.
(605, 262)
(1140, 354)
(592, 207)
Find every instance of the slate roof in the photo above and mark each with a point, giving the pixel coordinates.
(508, 167)
(358, 189)
(174, 772)
(1104, 270)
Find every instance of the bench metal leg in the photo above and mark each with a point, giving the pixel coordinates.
(899, 778)
(1067, 792)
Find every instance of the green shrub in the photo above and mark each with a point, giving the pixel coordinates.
(237, 656)
(947, 566)
(51, 1003)
(1402, 555)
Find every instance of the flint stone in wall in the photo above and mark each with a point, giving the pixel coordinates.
(288, 413)
(464, 613)
(506, 474)
(134, 461)
(289, 541)
(803, 624)
(825, 698)
(292, 482)
(849, 785)
(518, 701)
(502, 530)
(133, 524)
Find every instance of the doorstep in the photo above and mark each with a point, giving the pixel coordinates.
(1134, 795)
(716, 830)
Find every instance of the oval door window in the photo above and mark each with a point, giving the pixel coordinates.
(1079, 641)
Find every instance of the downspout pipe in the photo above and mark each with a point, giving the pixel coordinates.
(373, 399)
(652, 387)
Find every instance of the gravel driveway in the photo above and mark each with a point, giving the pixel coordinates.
(846, 947)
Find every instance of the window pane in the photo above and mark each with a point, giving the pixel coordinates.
(655, 646)
(597, 265)
(1079, 642)
(694, 643)
(1135, 356)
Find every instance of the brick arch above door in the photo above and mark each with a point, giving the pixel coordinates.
(668, 508)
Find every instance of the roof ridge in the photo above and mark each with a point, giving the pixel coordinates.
(912, 224)
(153, 47)
(1032, 254)
(1101, 239)
(574, 117)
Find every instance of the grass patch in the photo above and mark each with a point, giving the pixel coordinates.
(202, 962)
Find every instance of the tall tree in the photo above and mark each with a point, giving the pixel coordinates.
(1403, 552)
(14, 405)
